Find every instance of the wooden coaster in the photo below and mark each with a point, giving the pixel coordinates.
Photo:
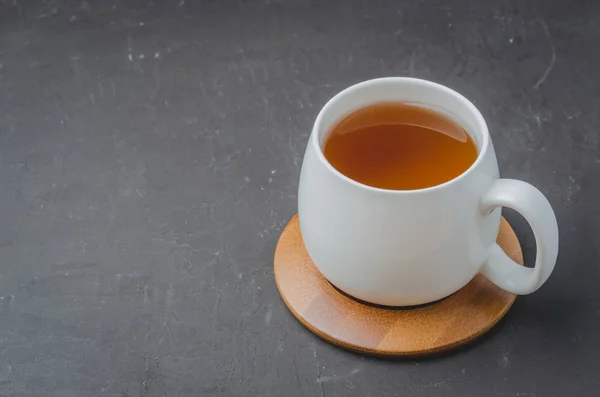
(364, 328)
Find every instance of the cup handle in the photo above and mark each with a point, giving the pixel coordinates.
(535, 208)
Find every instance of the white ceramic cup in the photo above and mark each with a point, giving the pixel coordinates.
(400, 248)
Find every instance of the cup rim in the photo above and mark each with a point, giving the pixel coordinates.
(481, 126)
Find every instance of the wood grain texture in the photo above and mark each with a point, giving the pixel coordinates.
(364, 328)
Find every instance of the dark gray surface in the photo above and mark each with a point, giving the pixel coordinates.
(149, 157)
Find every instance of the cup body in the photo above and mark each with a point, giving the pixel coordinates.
(394, 247)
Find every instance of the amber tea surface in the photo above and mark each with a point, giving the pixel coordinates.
(399, 146)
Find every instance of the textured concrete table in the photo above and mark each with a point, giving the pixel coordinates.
(149, 157)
